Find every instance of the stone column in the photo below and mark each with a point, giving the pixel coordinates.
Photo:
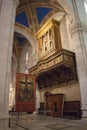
(7, 21)
(37, 97)
(79, 36)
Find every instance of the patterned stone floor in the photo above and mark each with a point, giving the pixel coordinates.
(33, 122)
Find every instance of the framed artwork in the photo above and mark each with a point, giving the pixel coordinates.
(25, 92)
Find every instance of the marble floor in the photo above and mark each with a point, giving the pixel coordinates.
(34, 122)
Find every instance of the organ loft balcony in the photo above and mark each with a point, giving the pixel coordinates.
(57, 69)
(55, 65)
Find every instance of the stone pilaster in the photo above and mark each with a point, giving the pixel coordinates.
(7, 21)
(78, 33)
(37, 97)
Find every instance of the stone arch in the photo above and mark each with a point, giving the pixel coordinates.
(25, 32)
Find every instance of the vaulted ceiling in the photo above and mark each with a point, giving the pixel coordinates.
(32, 14)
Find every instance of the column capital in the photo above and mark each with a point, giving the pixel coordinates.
(78, 27)
(16, 2)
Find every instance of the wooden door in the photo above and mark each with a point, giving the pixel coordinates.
(54, 103)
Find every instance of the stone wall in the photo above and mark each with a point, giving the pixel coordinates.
(71, 91)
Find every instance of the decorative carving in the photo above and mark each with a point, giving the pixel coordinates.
(57, 59)
(49, 32)
(59, 75)
(57, 69)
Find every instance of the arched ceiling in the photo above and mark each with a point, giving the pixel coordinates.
(19, 42)
(20, 39)
(32, 14)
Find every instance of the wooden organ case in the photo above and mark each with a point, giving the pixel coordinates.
(48, 39)
(52, 58)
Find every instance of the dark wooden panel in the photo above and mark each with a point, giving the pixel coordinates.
(72, 109)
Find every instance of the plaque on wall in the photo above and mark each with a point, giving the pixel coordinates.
(25, 92)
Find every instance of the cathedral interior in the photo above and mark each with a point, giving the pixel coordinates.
(44, 58)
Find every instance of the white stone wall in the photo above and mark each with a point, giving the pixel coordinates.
(82, 11)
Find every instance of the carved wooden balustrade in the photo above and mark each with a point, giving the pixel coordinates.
(58, 68)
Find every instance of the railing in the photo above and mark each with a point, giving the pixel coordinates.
(45, 113)
(23, 120)
(18, 120)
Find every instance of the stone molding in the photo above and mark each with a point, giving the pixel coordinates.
(78, 27)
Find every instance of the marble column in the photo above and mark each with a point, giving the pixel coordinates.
(7, 20)
(79, 35)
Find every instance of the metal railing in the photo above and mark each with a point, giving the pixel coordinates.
(23, 120)
(45, 113)
(18, 120)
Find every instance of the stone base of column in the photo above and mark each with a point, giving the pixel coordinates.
(84, 113)
(4, 123)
